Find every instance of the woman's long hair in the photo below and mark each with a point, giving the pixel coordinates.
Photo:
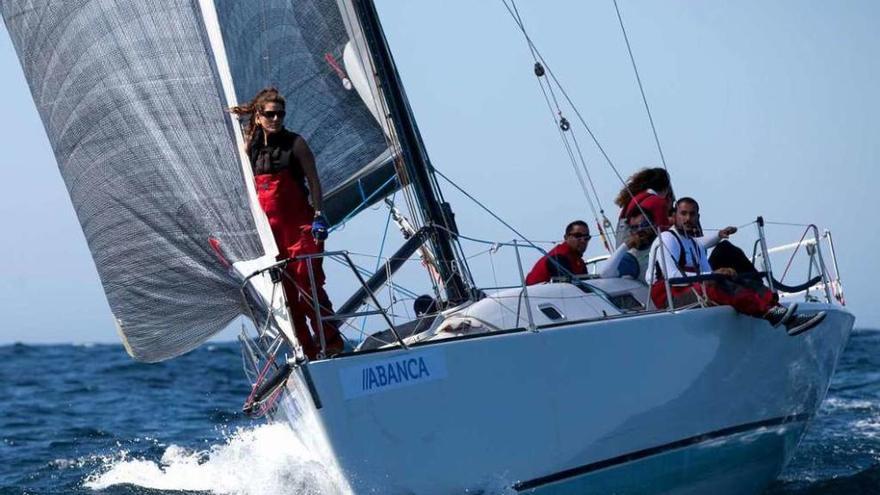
(252, 129)
(646, 178)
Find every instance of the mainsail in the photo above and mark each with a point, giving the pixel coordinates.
(133, 101)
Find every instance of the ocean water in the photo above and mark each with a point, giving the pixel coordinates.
(88, 420)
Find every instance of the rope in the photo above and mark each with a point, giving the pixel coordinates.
(641, 87)
(540, 58)
(791, 258)
(535, 57)
(563, 126)
(492, 251)
(536, 53)
(379, 257)
(788, 224)
(363, 204)
(490, 212)
(368, 274)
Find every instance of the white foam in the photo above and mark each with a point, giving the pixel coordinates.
(838, 403)
(264, 459)
(290, 455)
(869, 427)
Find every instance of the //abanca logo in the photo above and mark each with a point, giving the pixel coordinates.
(406, 369)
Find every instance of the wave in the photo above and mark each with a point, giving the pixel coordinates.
(864, 481)
(270, 458)
(832, 404)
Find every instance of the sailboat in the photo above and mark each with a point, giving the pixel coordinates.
(567, 387)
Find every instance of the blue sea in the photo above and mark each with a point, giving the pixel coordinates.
(86, 419)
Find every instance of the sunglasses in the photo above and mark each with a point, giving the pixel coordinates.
(640, 226)
(578, 235)
(271, 115)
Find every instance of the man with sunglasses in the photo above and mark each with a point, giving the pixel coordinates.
(566, 258)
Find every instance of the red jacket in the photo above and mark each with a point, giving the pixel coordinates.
(544, 269)
(654, 203)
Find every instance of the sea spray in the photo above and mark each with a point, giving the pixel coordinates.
(264, 459)
(297, 409)
(289, 455)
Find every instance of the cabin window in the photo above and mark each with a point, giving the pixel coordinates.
(627, 302)
(550, 311)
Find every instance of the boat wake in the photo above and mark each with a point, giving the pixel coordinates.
(269, 458)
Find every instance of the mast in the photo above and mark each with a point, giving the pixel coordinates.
(414, 155)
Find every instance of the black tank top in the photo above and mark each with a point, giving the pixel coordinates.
(276, 154)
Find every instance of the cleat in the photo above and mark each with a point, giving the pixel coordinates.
(780, 314)
(801, 323)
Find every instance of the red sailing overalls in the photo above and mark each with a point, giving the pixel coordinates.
(283, 196)
(747, 297)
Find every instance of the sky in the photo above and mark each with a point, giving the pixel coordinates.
(762, 108)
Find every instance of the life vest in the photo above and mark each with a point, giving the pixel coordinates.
(681, 261)
(272, 155)
(281, 188)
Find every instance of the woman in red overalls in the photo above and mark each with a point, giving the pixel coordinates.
(283, 164)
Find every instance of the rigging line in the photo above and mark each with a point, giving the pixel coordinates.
(574, 107)
(788, 224)
(492, 264)
(562, 90)
(490, 212)
(632, 59)
(587, 173)
(580, 178)
(567, 146)
(794, 253)
(601, 223)
(554, 113)
(363, 204)
(368, 273)
(381, 251)
(391, 138)
(535, 57)
(414, 212)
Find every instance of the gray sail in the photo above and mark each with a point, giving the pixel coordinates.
(129, 95)
(133, 96)
(306, 49)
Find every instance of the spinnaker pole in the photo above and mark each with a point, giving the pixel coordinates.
(414, 156)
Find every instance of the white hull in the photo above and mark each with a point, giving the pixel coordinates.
(687, 402)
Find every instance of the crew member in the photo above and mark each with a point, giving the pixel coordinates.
(283, 165)
(680, 255)
(650, 191)
(630, 260)
(565, 258)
